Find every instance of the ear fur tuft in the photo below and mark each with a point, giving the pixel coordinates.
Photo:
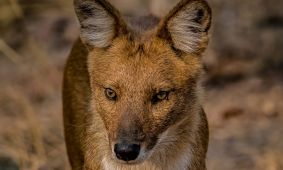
(186, 27)
(100, 22)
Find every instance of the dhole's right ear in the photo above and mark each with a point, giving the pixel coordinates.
(100, 22)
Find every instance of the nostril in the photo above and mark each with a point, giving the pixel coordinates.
(127, 152)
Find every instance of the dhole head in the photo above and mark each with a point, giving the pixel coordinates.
(143, 83)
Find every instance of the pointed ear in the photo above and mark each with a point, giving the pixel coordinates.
(100, 22)
(186, 26)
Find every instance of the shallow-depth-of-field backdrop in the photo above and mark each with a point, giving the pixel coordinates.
(244, 81)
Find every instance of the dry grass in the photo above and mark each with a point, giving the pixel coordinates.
(243, 104)
(31, 121)
(9, 52)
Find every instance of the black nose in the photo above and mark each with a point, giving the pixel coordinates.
(127, 152)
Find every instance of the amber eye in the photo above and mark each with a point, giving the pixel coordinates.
(110, 94)
(162, 95)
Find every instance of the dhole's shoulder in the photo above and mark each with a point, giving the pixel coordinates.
(79, 50)
(76, 66)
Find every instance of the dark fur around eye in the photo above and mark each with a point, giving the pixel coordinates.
(155, 99)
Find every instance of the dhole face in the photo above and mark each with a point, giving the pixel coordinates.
(142, 83)
(152, 85)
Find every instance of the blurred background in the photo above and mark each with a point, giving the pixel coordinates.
(244, 81)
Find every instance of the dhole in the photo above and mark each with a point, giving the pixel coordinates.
(132, 93)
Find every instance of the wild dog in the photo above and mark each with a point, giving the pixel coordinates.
(132, 91)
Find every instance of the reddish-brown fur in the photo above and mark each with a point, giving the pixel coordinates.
(137, 60)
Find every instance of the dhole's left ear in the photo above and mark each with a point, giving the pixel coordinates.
(100, 22)
(186, 27)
